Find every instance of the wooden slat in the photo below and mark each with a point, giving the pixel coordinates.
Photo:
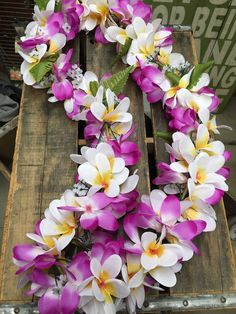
(42, 170)
(99, 59)
(214, 270)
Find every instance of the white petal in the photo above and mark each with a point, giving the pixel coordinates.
(157, 197)
(88, 173)
(130, 184)
(113, 189)
(95, 267)
(97, 292)
(164, 275)
(121, 290)
(118, 165)
(98, 110)
(112, 265)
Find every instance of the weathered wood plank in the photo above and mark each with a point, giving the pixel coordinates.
(214, 270)
(42, 170)
(99, 59)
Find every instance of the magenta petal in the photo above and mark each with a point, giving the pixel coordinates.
(185, 230)
(62, 90)
(97, 251)
(99, 36)
(26, 252)
(216, 197)
(101, 200)
(107, 221)
(170, 209)
(69, 299)
(130, 227)
(153, 74)
(88, 223)
(41, 278)
(155, 96)
(44, 261)
(80, 266)
(49, 303)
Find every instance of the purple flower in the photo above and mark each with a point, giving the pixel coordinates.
(150, 79)
(128, 10)
(73, 106)
(27, 255)
(168, 176)
(72, 13)
(62, 87)
(64, 296)
(183, 119)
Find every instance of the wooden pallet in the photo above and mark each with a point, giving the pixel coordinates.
(42, 171)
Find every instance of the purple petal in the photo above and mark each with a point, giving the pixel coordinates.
(101, 200)
(185, 230)
(41, 278)
(155, 96)
(26, 252)
(44, 261)
(62, 90)
(49, 303)
(153, 74)
(99, 36)
(88, 223)
(216, 197)
(69, 299)
(170, 209)
(107, 221)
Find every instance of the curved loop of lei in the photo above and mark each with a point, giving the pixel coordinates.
(98, 246)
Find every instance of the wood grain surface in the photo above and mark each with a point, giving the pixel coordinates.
(42, 170)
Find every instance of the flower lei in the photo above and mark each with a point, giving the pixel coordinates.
(98, 246)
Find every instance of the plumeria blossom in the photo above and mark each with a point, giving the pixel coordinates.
(34, 56)
(95, 12)
(110, 175)
(135, 277)
(93, 212)
(62, 87)
(199, 210)
(126, 11)
(196, 97)
(105, 285)
(185, 150)
(114, 114)
(59, 225)
(159, 259)
(203, 172)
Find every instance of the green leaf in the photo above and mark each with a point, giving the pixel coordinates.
(198, 70)
(118, 80)
(58, 6)
(123, 51)
(165, 136)
(43, 67)
(174, 78)
(42, 4)
(93, 87)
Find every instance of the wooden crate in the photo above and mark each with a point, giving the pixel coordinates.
(42, 171)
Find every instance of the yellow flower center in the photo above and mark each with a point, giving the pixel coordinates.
(155, 249)
(201, 176)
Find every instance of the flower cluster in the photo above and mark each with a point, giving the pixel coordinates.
(100, 246)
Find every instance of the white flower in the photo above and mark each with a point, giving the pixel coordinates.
(160, 260)
(58, 227)
(113, 113)
(95, 13)
(102, 170)
(203, 171)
